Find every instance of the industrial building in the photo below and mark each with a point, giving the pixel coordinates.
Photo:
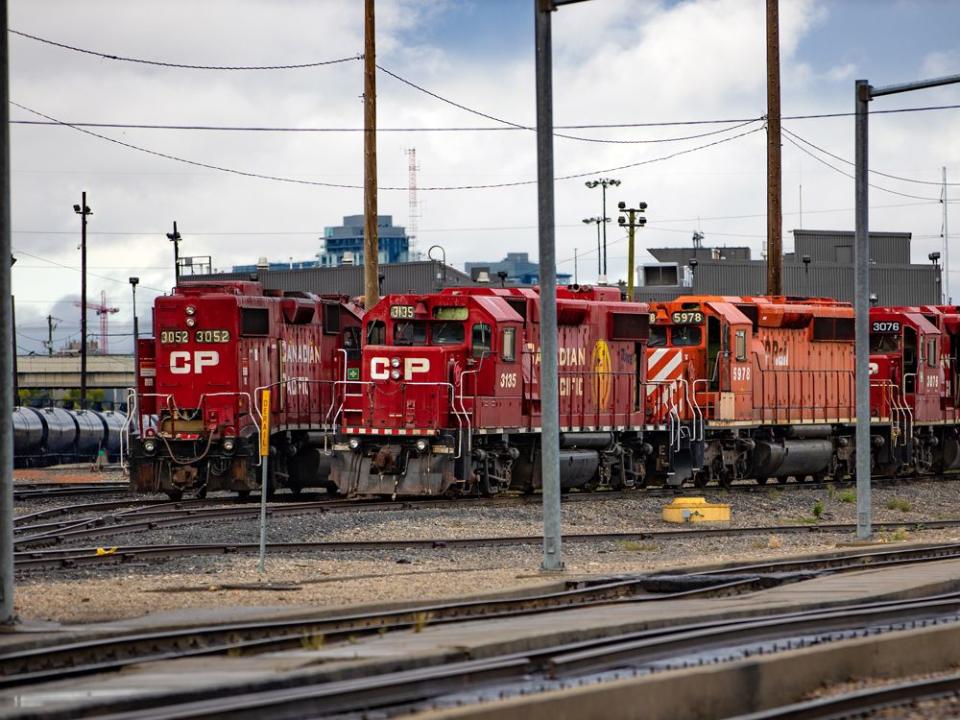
(518, 269)
(820, 266)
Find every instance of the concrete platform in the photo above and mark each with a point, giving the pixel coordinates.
(479, 638)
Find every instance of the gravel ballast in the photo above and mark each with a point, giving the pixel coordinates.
(330, 579)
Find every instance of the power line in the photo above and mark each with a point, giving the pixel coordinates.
(183, 66)
(843, 172)
(875, 172)
(317, 183)
(70, 267)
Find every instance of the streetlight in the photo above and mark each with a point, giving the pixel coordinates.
(601, 278)
(175, 238)
(442, 278)
(603, 183)
(83, 211)
(136, 337)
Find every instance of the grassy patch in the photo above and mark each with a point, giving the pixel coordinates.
(847, 496)
(817, 510)
(636, 546)
(899, 535)
(899, 504)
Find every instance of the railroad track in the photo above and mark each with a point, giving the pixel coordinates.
(26, 558)
(33, 491)
(387, 686)
(863, 702)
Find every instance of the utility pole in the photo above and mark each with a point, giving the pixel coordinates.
(50, 328)
(632, 221)
(774, 211)
(6, 351)
(946, 242)
(175, 238)
(863, 94)
(576, 268)
(83, 211)
(371, 242)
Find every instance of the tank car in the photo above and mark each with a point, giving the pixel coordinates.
(216, 347)
(447, 400)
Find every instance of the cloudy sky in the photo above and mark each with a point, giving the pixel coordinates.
(616, 62)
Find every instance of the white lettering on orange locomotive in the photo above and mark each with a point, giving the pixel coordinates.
(183, 362)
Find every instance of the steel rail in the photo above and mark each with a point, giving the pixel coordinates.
(861, 702)
(313, 693)
(70, 557)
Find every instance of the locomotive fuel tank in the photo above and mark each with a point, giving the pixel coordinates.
(28, 432)
(61, 431)
(578, 467)
(799, 458)
(591, 440)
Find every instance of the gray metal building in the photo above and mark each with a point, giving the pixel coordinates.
(820, 266)
(420, 276)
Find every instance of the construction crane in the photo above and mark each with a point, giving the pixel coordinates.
(103, 311)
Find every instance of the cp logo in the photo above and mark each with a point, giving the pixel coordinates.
(380, 367)
(183, 362)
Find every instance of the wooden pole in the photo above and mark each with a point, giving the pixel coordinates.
(774, 194)
(371, 244)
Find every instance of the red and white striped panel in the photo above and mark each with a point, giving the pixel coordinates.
(387, 431)
(663, 365)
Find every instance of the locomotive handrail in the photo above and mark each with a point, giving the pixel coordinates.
(125, 430)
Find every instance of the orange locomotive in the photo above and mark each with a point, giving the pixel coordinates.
(447, 400)
(756, 387)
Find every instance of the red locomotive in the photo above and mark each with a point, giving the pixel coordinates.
(217, 345)
(448, 397)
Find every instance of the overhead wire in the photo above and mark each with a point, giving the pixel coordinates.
(870, 170)
(72, 267)
(318, 183)
(182, 66)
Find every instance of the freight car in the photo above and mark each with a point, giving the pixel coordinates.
(216, 347)
(47, 436)
(448, 396)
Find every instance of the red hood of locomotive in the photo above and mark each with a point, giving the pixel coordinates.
(407, 388)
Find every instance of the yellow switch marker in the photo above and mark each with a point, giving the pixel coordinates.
(696, 510)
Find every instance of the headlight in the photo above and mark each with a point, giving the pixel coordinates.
(353, 443)
(422, 445)
(191, 321)
(190, 310)
(228, 445)
(395, 362)
(395, 374)
(149, 446)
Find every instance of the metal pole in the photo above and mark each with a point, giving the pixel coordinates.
(6, 352)
(575, 267)
(603, 191)
(599, 257)
(774, 212)
(631, 230)
(264, 462)
(549, 401)
(176, 254)
(946, 242)
(83, 300)
(49, 334)
(861, 293)
(13, 342)
(371, 242)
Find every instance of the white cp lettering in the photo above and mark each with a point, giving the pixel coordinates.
(379, 368)
(414, 365)
(180, 361)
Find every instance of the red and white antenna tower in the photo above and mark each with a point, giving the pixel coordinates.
(104, 311)
(413, 209)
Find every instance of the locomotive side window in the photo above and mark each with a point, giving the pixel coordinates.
(508, 344)
(331, 319)
(740, 345)
(686, 335)
(447, 333)
(658, 337)
(254, 321)
(480, 339)
(410, 332)
(377, 333)
(932, 352)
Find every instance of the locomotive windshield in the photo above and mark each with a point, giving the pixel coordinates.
(658, 336)
(884, 342)
(447, 333)
(686, 335)
(410, 332)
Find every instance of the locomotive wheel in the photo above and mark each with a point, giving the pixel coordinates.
(243, 494)
(202, 492)
(175, 495)
(488, 489)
